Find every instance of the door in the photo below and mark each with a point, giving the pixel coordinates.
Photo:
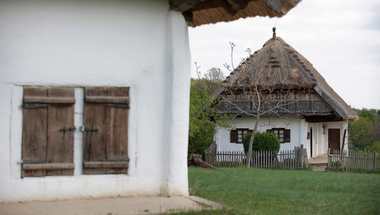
(334, 140)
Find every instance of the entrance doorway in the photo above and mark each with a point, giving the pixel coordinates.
(334, 139)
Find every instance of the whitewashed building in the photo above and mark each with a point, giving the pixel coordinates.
(309, 113)
(94, 95)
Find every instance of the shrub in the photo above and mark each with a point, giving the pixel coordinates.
(262, 142)
(376, 146)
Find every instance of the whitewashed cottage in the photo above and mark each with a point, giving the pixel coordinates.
(310, 113)
(94, 95)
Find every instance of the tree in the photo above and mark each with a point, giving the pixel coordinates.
(203, 117)
(360, 133)
(210, 81)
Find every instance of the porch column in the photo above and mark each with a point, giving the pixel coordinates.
(176, 125)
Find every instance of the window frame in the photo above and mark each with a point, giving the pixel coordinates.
(285, 134)
(234, 135)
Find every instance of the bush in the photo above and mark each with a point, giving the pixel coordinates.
(262, 142)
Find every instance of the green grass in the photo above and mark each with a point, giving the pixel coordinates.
(260, 191)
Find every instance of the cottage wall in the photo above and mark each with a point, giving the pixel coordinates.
(223, 136)
(136, 44)
(300, 134)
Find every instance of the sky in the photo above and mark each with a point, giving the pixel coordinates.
(341, 38)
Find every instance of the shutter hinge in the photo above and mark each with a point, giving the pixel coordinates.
(32, 106)
(118, 106)
(84, 128)
(30, 161)
(67, 129)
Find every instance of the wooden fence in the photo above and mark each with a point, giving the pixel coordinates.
(353, 161)
(288, 159)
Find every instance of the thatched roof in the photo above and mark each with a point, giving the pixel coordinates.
(200, 12)
(278, 64)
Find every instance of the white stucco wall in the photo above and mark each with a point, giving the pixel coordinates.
(299, 129)
(320, 138)
(139, 44)
(222, 136)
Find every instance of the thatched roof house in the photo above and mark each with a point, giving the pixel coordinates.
(280, 66)
(275, 84)
(200, 12)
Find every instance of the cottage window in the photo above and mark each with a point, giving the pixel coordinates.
(236, 136)
(48, 131)
(282, 134)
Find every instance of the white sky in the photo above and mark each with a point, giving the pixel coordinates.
(341, 38)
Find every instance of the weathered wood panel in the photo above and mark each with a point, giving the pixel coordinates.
(60, 147)
(106, 164)
(49, 166)
(42, 139)
(34, 136)
(110, 141)
(51, 99)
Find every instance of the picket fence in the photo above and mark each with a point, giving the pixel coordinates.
(287, 159)
(353, 161)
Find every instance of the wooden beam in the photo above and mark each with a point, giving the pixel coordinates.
(226, 6)
(99, 164)
(329, 118)
(238, 4)
(182, 5)
(188, 15)
(48, 166)
(52, 100)
(276, 5)
(108, 99)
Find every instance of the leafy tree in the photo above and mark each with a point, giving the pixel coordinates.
(371, 114)
(203, 117)
(360, 133)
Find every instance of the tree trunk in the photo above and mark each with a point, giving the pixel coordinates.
(249, 155)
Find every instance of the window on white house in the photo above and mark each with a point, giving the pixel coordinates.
(236, 136)
(282, 134)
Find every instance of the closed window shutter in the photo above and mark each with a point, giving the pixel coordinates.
(47, 139)
(105, 138)
(287, 135)
(233, 136)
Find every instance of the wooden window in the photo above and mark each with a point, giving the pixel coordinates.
(48, 131)
(236, 136)
(105, 138)
(282, 134)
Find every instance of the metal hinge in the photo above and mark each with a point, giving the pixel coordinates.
(31, 106)
(118, 106)
(84, 128)
(67, 129)
(30, 161)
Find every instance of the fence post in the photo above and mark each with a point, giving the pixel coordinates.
(374, 161)
(302, 156)
(328, 158)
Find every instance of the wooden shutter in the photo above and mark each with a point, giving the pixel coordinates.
(105, 138)
(233, 136)
(48, 132)
(287, 135)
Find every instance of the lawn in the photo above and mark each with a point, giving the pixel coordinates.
(261, 191)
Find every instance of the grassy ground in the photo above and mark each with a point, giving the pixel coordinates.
(260, 191)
